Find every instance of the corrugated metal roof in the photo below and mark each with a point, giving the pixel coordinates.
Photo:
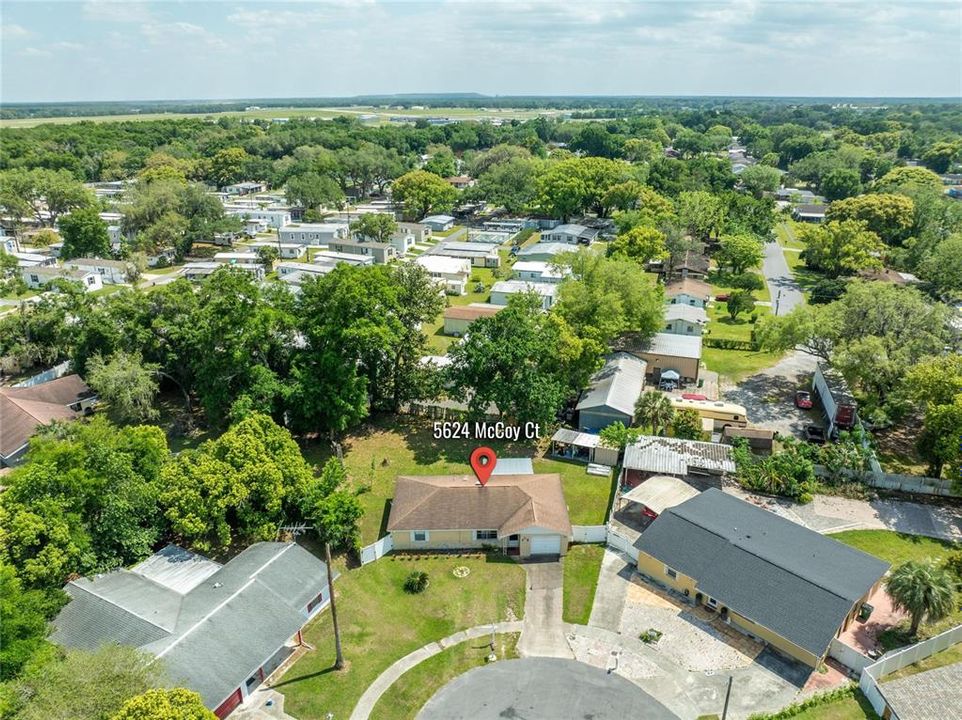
(617, 385)
(674, 456)
(688, 313)
(573, 437)
(513, 466)
(661, 492)
(686, 346)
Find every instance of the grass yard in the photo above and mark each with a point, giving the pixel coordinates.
(393, 445)
(412, 690)
(856, 707)
(898, 548)
(581, 567)
(438, 342)
(380, 623)
(737, 364)
(949, 656)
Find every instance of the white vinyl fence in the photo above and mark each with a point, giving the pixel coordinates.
(848, 656)
(589, 533)
(620, 543)
(377, 550)
(868, 682)
(46, 376)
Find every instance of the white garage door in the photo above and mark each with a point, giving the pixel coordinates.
(545, 544)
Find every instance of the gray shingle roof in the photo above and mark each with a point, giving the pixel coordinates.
(783, 576)
(617, 385)
(212, 636)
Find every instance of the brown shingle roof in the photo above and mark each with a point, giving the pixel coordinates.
(24, 409)
(470, 312)
(688, 286)
(508, 503)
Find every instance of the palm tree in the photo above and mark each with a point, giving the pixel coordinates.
(923, 590)
(655, 409)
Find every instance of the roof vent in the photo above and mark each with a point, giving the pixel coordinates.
(217, 585)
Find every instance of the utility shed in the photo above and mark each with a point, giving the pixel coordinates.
(653, 455)
(612, 393)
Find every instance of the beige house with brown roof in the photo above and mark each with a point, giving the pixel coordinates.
(521, 514)
(457, 318)
(688, 291)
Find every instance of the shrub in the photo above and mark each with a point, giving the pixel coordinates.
(746, 281)
(953, 563)
(826, 698)
(416, 582)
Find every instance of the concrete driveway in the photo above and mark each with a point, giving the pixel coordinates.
(769, 396)
(786, 293)
(542, 633)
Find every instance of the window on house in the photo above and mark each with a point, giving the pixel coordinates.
(485, 534)
(419, 536)
(670, 573)
(712, 602)
(668, 326)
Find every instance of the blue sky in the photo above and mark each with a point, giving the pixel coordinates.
(108, 50)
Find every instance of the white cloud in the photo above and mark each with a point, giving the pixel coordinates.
(34, 52)
(11, 31)
(121, 11)
(173, 34)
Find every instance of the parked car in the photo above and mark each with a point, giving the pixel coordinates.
(723, 297)
(814, 434)
(693, 396)
(803, 400)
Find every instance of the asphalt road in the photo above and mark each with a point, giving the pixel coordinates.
(786, 293)
(542, 689)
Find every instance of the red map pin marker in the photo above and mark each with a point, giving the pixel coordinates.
(483, 461)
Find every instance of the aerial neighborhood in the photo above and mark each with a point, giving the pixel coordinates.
(427, 406)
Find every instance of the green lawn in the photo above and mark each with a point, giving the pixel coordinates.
(446, 233)
(393, 445)
(849, 708)
(897, 548)
(581, 567)
(737, 364)
(949, 656)
(412, 690)
(380, 623)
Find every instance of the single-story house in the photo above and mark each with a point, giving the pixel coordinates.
(585, 447)
(760, 440)
(420, 231)
(538, 271)
(274, 217)
(502, 290)
(688, 292)
(38, 277)
(668, 351)
(331, 258)
(112, 272)
(438, 223)
(652, 455)
(313, 233)
(521, 514)
(570, 234)
(889, 276)
(658, 494)
(928, 695)
(685, 319)
(461, 182)
(245, 188)
(402, 242)
(219, 629)
(612, 393)
(255, 227)
(767, 576)
(286, 250)
(382, 253)
(480, 254)
(237, 258)
(457, 318)
(451, 273)
(796, 195)
(692, 265)
(543, 251)
(810, 213)
(24, 409)
(195, 271)
(287, 267)
(32, 259)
